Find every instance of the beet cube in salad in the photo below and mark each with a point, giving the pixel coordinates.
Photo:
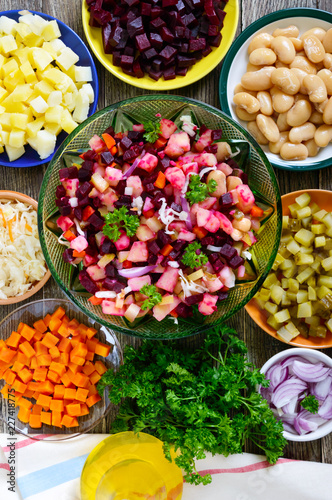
(159, 223)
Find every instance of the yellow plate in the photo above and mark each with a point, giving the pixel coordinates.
(198, 71)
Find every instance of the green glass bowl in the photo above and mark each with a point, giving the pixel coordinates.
(250, 157)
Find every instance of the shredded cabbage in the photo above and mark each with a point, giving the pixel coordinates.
(21, 259)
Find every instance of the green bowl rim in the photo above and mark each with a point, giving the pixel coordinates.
(204, 327)
(242, 38)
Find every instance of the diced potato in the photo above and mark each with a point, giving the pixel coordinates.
(54, 98)
(293, 285)
(67, 58)
(83, 74)
(53, 114)
(44, 89)
(21, 93)
(9, 67)
(14, 153)
(87, 87)
(304, 310)
(34, 127)
(81, 107)
(51, 31)
(265, 294)
(55, 129)
(7, 25)
(43, 143)
(7, 44)
(67, 122)
(39, 105)
(19, 120)
(28, 72)
(16, 138)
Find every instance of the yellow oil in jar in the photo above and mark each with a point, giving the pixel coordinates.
(129, 467)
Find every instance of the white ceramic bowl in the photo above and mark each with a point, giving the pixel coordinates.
(235, 65)
(314, 357)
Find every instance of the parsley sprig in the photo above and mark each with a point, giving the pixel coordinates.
(199, 191)
(310, 403)
(193, 256)
(153, 296)
(120, 219)
(196, 401)
(152, 130)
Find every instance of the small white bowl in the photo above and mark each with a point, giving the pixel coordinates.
(235, 65)
(315, 357)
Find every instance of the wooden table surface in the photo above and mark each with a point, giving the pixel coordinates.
(261, 346)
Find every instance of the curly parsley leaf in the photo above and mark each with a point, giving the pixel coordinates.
(120, 219)
(197, 401)
(193, 256)
(153, 296)
(151, 130)
(310, 403)
(199, 191)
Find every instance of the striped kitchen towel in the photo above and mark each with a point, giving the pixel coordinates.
(51, 470)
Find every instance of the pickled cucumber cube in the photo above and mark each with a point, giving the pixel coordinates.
(272, 322)
(311, 281)
(293, 209)
(284, 334)
(270, 280)
(322, 291)
(328, 220)
(306, 250)
(318, 228)
(303, 259)
(304, 310)
(329, 324)
(304, 237)
(291, 328)
(320, 215)
(328, 244)
(264, 294)
(320, 241)
(302, 213)
(270, 307)
(294, 225)
(291, 296)
(285, 221)
(328, 232)
(284, 283)
(314, 208)
(312, 293)
(306, 222)
(301, 296)
(276, 293)
(327, 263)
(278, 260)
(293, 285)
(289, 273)
(282, 315)
(303, 200)
(304, 275)
(324, 280)
(293, 247)
(313, 321)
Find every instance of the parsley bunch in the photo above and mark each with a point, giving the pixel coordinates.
(198, 401)
(310, 403)
(120, 219)
(151, 130)
(192, 258)
(198, 191)
(153, 296)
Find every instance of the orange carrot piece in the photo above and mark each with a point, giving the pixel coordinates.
(25, 375)
(34, 386)
(46, 387)
(79, 350)
(44, 360)
(200, 232)
(88, 368)
(19, 386)
(50, 340)
(100, 367)
(53, 376)
(36, 409)
(95, 377)
(160, 181)
(90, 356)
(92, 390)
(47, 319)
(59, 313)
(84, 409)
(54, 352)
(24, 415)
(25, 403)
(17, 366)
(35, 421)
(38, 336)
(46, 417)
(91, 344)
(40, 374)
(66, 380)
(91, 332)
(74, 368)
(7, 354)
(57, 368)
(64, 345)
(81, 394)
(67, 420)
(102, 349)
(74, 422)
(109, 140)
(9, 376)
(77, 360)
(166, 250)
(56, 418)
(28, 393)
(27, 349)
(27, 332)
(44, 401)
(13, 340)
(22, 358)
(81, 380)
(70, 393)
(74, 409)
(63, 358)
(40, 348)
(63, 331)
(92, 400)
(33, 363)
(59, 391)
(95, 301)
(57, 405)
(40, 326)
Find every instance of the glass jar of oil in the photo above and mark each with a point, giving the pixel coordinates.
(127, 466)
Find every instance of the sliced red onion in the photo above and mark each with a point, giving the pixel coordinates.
(310, 372)
(287, 390)
(185, 208)
(325, 411)
(292, 406)
(136, 272)
(307, 422)
(276, 375)
(289, 418)
(134, 165)
(290, 359)
(322, 389)
(289, 428)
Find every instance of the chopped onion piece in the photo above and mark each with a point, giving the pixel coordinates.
(213, 248)
(136, 272)
(105, 295)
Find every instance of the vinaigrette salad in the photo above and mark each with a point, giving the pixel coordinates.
(159, 219)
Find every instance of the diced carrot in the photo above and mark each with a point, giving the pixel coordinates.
(174, 314)
(67, 420)
(36, 409)
(200, 232)
(55, 323)
(27, 332)
(34, 386)
(25, 403)
(70, 393)
(53, 376)
(73, 325)
(92, 390)
(33, 363)
(13, 340)
(95, 377)
(35, 395)
(114, 150)
(84, 409)
(81, 394)
(28, 393)
(44, 360)
(95, 301)
(91, 344)
(49, 339)
(57, 405)
(256, 211)
(166, 250)
(40, 374)
(149, 213)
(57, 368)
(44, 401)
(64, 345)
(109, 140)
(74, 422)
(90, 356)
(66, 380)
(7, 354)
(102, 349)
(4, 391)
(46, 417)
(46, 387)
(47, 319)
(91, 332)
(40, 348)
(63, 330)
(100, 367)
(17, 366)
(19, 386)
(59, 391)
(79, 350)
(161, 180)
(87, 212)
(24, 415)
(35, 421)
(19, 328)
(74, 368)
(56, 418)
(25, 375)
(38, 336)
(54, 352)
(92, 400)
(77, 360)
(9, 376)
(81, 380)
(127, 264)
(40, 326)
(88, 368)
(82, 328)
(79, 255)
(74, 409)
(27, 349)
(64, 358)
(22, 358)
(69, 235)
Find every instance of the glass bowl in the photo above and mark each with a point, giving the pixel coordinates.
(31, 312)
(250, 157)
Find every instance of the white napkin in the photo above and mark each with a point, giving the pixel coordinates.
(52, 470)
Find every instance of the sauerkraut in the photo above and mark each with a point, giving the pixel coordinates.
(22, 262)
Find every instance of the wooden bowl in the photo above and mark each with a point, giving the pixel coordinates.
(323, 199)
(13, 195)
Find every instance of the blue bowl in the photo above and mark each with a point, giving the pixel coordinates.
(70, 39)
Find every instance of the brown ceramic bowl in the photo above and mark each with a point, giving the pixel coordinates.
(13, 195)
(324, 200)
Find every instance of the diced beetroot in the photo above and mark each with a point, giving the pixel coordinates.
(137, 69)
(157, 23)
(156, 40)
(246, 198)
(155, 75)
(142, 42)
(88, 260)
(135, 27)
(96, 273)
(167, 128)
(138, 252)
(236, 262)
(169, 73)
(208, 304)
(150, 53)
(228, 252)
(181, 71)
(87, 282)
(148, 162)
(108, 307)
(168, 279)
(144, 233)
(168, 52)
(64, 223)
(216, 41)
(145, 9)
(197, 44)
(186, 235)
(137, 283)
(123, 242)
(113, 176)
(161, 311)
(175, 176)
(189, 20)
